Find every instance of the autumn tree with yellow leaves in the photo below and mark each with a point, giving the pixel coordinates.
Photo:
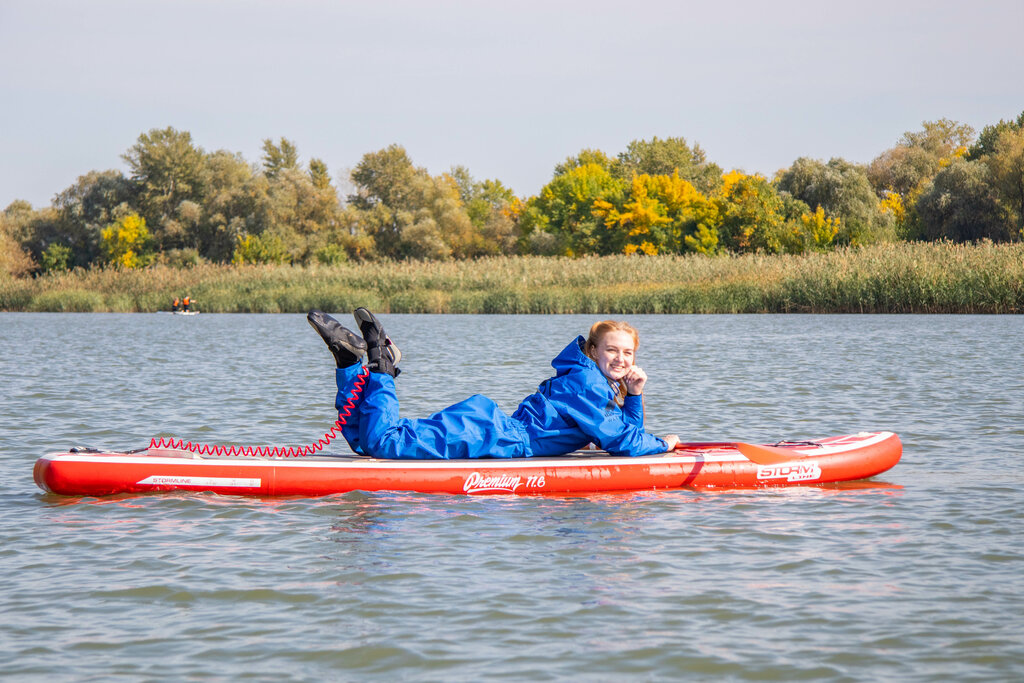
(180, 205)
(127, 243)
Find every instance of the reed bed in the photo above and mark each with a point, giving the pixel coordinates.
(888, 278)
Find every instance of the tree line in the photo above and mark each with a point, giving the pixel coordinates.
(181, 205)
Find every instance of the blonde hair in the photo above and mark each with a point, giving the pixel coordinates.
(597, 332)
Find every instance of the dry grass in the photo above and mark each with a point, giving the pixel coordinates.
(891, 278)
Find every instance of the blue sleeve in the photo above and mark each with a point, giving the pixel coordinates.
(597, 416)
(633, 410)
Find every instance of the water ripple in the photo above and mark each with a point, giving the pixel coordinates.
(913, 576)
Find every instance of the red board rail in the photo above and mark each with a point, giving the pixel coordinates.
(691, 465)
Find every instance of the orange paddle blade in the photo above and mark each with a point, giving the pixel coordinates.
(766, 455)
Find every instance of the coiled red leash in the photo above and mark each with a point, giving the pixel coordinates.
(271, 451)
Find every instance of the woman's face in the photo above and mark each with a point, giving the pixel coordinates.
(614, 354)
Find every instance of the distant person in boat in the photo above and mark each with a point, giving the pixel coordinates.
(594, 397)
(175, 305)
(186, 304)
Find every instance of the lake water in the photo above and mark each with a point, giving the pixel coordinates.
(917, 576)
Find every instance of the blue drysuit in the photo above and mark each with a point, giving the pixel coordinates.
(568, 411)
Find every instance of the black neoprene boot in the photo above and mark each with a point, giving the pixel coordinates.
(347, 346)
(381, 353)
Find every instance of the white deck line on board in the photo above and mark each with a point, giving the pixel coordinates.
(223, 482)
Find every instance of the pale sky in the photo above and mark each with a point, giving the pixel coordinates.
(508, 89)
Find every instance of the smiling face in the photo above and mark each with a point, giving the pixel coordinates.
(614, 353)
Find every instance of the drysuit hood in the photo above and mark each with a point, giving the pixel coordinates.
(573, 358)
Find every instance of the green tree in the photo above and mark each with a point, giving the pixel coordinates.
(940, 138)
(918, 156)
(665, 157)
(318, 174)
(280, 157)
(33, 230)
(383, 182)
(989, 135)
(902, 170)
(1006, 170)
(843, 191)
(900, 175)
(383, 178)
(490, 208)
(440, 225)
(959, 205)
(300, 213)
(166, 169)
(752, 214)
(332, 254)
(564, 209)
(408, 213)
(256, 249)
(586, 156)
(56, 258)
(94, 201)
(350, 233)
(236, 204)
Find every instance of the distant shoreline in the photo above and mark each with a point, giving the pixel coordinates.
(886, 278)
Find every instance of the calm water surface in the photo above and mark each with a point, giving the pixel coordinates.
(916, 575)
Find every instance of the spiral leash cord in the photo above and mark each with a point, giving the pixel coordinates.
(271, 451)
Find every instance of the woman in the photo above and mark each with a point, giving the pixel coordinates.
(594, 397)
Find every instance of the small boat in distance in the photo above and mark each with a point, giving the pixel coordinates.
(183, 306)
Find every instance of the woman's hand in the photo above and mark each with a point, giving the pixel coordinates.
(635, 380)
(671, 440)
